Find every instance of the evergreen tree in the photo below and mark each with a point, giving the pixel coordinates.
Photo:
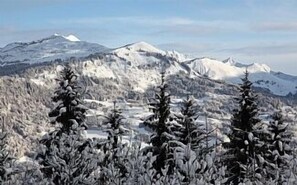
(69, 111)
(280, 147)
(188, 130)
(195, 162)
(114, 126)
(66, 156)
(160, 124)
(115, 166)
(69, 160)
(240, 157)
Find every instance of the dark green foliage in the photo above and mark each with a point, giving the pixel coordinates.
(281, 135)
(115, 155)
(243, 136)
(69, 110)
(113, 125)
(159, 123)
(69, 160)
(189, 131)
(280, 146)
(66, 157)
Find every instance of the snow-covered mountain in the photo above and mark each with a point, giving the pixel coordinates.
(140, 63)
(230, 71)
(47, 49)
(127, 74)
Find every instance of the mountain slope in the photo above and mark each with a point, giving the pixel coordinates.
(140, 63)
(127, 74)
(230, 71)
(47, 49)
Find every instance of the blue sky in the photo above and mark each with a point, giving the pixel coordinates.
(263, 31)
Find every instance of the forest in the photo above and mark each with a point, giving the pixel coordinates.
(179, 150)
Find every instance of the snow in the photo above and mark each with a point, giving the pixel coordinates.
(141, 63)
(230, 71)
(251, 137)
(103, 135)
(38, 82)
(71, 38)
(24, 159)
(229, 61)
(47, 49)
(138, 47)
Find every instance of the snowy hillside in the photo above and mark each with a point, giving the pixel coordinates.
(47, 49)
(127, 74)
(230, 71)
(140, 63)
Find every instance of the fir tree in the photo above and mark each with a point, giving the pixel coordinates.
(193, 157)
(159, 123)
(188, 130)
(244, 137)
(70, 160)
(115, 153)
(69, 112)
(280, 147)
(66, 156)
(114, 126)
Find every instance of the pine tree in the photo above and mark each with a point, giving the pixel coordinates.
(280, 147)
(69, 112)
(115, 166)
(195, 162)
(188, 130)
(70, 160)
(66, 156)
(240, 157)
(159, 123)
(114, 126)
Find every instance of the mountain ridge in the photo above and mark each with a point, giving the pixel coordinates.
(130, 78)
(142, 57)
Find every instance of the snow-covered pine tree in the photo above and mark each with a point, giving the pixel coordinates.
(66, 156)
(115, 165)
(191, 147)
(159, 123)
(114, 126)
(188, 130)
(69, 112)
(241, 150)
(280, 148)
(70, 160)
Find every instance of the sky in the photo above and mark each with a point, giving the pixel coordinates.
(262, 31)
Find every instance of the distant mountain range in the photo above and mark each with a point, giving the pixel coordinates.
(127, 74)
(140, 63)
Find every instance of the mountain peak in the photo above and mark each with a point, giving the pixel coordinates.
(70, 37)
(48, 49)
(259, 67)
(229, 61)
(141, 46)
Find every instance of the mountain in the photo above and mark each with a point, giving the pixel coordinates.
(127, 74)
(140, 63)
(47, 49)
(260, 74)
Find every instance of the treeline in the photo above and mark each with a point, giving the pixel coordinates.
(180, 149)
